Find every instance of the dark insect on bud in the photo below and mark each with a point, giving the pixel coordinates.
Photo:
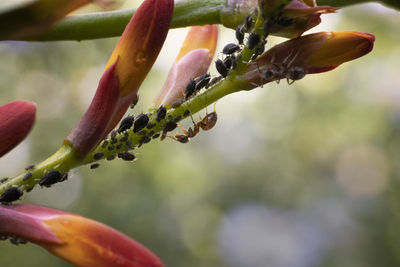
(186, 113)
(51, 178)
(3, 180)
(221, 68)
(177, 118)
(285, 21)
(27, 176)
(126, 156)
(177, 103)
(190, 89)
(239, 34)
(170, 126)
(248, 22)
(150, 125)
(295, 73)
(161, 113)
(140, 122)
(111, 157)
(228, 62)
(98, 156)
(231, 48)
(11, 194)
(258, 51)
(126, 123)
(94, 166)
(156, 136)
(134, 102)
(30, 167)
(253, 40)
(202, 81)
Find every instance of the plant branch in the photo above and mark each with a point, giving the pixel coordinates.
(186, 13)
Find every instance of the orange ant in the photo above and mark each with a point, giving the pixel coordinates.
(206, 123)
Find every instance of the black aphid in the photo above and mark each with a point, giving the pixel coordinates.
(215, 80)
(240, 34)
(177, 103)
(219, 65)
(141, 132)
(94, 166)
(258, 51)
(170, 126)
(156, 136)
(27, 176)
(150, 125)
(111, 147)
(144, 140)
(134, 102)
(104, 144)
(202, 81)
(228, 62)
(113, 134)
(30, 167)
(51, 178)
(126, 156)
(11, 194)
(248, 22)
(3, 180)
(111, 157)
(230, 48)
(285, 21)
(118, 147)
(177, 118)
(126, 123)
(295, 73)
(186, 113)
(140, 122)
(98, 156)
(190, 89)
(253, 40)
(161, 112)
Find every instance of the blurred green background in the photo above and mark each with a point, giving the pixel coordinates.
(291, 176)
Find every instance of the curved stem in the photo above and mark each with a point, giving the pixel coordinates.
(186, 13)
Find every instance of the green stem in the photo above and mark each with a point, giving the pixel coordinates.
(186, 13)
(65, 158)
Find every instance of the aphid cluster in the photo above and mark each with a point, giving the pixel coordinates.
(53, 177)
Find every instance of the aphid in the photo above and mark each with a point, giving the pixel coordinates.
(215, 80)
(111, 157)
(126, 156)
(17, 241)
(248, 22)
(202, 81)
(141, 132)
(128, 143)
(156, 135)
(186, 113)
(98, 156)
(111, 147)
(30, 167)
(221, 68)
(239, 34)
(150, 134)
(170, 126)
(51, 178)
(113, 134)
(228, 62)
(253, 40)
(94, 166)
(161, 112)
(126, 123)
(104, 144)
(230, 48)
(118, 147)
(295, 73)
(177, 103)
(140, 122)
(113, 141)
(285, 21)
(258, 51)
(134, 102)
(177, 118)
(190, 88)
(150, 125)
(27, 176)
(11, 194)
(3, 180)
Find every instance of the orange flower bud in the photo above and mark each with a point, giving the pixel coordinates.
(81, 241)
(193, 60)
(16, 120)
(127, 67)
(313, 53)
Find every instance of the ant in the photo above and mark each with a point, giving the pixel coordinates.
(206, 123)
